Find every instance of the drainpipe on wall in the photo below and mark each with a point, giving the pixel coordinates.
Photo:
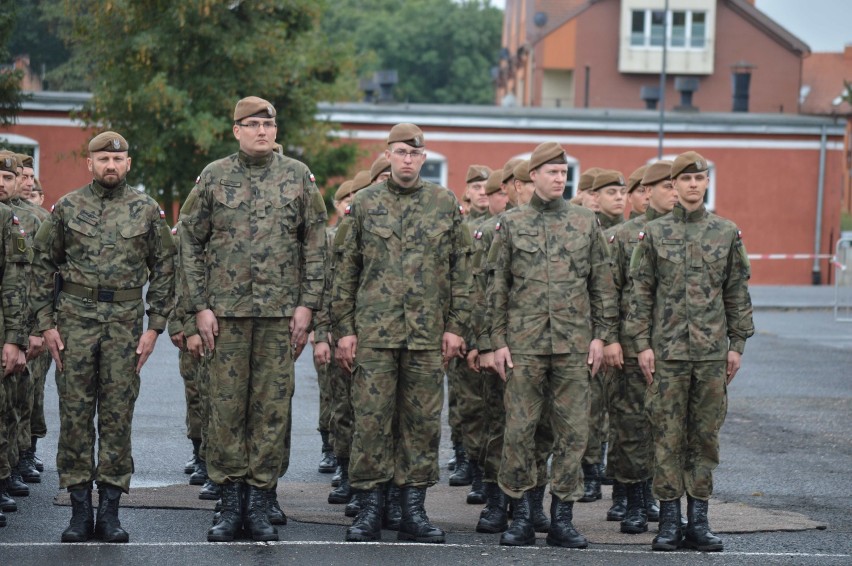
(816, 276)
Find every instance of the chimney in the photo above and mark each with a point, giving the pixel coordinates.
(369, 88)
(651, 96)
(686, 86)
(741, 83)
(386, 79)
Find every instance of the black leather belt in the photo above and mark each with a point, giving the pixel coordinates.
(101, 295)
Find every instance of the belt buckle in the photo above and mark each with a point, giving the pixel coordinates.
(105, 295)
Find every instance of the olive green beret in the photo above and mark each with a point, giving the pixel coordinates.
(494, 182)
(344, 190)
(108, 141)
(25, 160)
(361, 180)
(546, 152)
(253, 106)
(657, 171)
(509, 169)
(606, 178)
(635, 178)
(9, 163)
(587, 178)
(408, 134)
(379, 166)
(689, 162)
(522, 171)
(477, 173)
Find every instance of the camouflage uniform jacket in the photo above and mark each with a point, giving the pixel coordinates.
(690, 296)
(29, 223)
(34, 209)
(181, 320)
(608, 221)
(107, 239)
(623, 239)
(551, 291)
(403, 277)
(482, 231)
(322, 321)
(253, 243)
(14, 262)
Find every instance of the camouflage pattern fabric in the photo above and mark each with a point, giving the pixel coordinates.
(38, 369)
(5, 466)
(190, 369)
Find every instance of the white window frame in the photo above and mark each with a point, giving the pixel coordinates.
(441, 160)
(573, 169)
(688, 31)
(710, 195)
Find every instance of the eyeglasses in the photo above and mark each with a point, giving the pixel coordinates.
(254, 125)
(414, 154)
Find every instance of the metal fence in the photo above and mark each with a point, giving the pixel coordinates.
(843, 280)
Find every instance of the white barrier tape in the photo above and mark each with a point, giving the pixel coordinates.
(791, 256)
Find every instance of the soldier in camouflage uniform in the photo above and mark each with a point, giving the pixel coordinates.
(14, 262)
(631, 457)
(690, 316)
(552, 307)
(637, 193)
(253, 252)
(588, 199)
(107, 241)
(401, 305)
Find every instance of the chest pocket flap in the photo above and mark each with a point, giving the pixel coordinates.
(526, 240)
(82, 227)
(134, 228)
(673, 253)
(378, 229)
(229, 192)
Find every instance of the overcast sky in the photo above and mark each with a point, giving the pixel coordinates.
(825, 25)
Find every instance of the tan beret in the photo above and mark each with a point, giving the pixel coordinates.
(587, 179)
(379, 166)
(522, 171)
(253, 106)
(509, 169)
(361, 180)
(408, 134)
(108, 141)
(606, 178)
(635, 179)
(9, 163)
(494, 182)
(689, 162)
(477, 173)
(25, 160)
(545, 152)
(344, 190)
(657, 171)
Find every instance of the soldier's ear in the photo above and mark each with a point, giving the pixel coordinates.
(89, 164)
(128, 163)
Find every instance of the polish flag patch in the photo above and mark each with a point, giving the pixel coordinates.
(641, 236)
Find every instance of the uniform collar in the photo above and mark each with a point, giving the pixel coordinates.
(104, 192)
(476, 215)
(652, 213)
(608, 221)
(681, 214)
(636, 213)
(396, 189)
(249, 161)
(555, 205)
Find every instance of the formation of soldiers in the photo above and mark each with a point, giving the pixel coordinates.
(569, 337)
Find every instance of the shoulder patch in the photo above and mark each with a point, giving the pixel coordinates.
(174, 230)
(477, 235)
(15, 220)
(461, 209)
(312, 178)
(641, 236)
(348, 210)
(162, 213)
(52, 207)
(612, 238)
(198, 179)
(497, 227)
(739, 234)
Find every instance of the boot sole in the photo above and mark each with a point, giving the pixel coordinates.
(350, 537)
(705, 548)
(414, 538)
(18, 493)
(219, 538)
(619, 517)
(459, 483)
(552, 542)
(32, 479)
(208, 497)
(634, 530)
(197, 481)
(664, 547)
(339, 500)
(75, 539)
(327, 470)
(490, 529)
(585, 499)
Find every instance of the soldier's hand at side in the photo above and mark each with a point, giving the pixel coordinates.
(54, 345)
(195, 346)
(486, 362)
(345, 354)
(208, 327)
(145, 347)
(12, 356)
(734, 360)
(22, 361)
(473, 360)
(299, 324)
(178, 340)
(35, 348)
(646, 364)
(322, 353)
(613, 356)
(502, 360)
(452, 346)
(596, 348)
(311, 339)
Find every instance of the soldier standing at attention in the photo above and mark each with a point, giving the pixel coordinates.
(106, 240)
(401, 306)
(690, 316)
(253, 251)
(552, 308)
(637, 193)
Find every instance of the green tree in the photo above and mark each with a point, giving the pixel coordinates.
(443, 50)
(10, 80)
(167, 75)
(34, 35)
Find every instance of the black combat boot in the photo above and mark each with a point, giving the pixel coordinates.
(562, 531)
(463, 474)
(636, 518)
(7, 504)
(354, 506)
(367, 526)
(591, 483)
(651, 506)
(15, 484)
(521, 532)
(210, 491)
(275, 513)
(698, 533)
(476, 495)
(190, 465)
(27, 467)
(328, 463)
(670, 534)
(618, 510)
(38, 463)
(2, 516)
(415, 525)
(82, 525)
(338, 474)
(108, 527)
(392, 515)
(451, 463)
(230, 518)
(494, 519)
(199, 476)
(343, 492)
(602, 466)
(256, 514)
(540, 521)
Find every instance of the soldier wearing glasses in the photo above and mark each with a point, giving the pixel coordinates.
(253, 254)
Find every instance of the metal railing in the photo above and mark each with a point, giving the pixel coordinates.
(842, 261)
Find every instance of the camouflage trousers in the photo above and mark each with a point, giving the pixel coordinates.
(38, 370)
(16, 387)
(403, 388)
(26, 391)
(99, 377)
(687, 404)
(630, 458)
(598, 419)
(563, 380)
(250, 389)
(453, 417)
(324, 379)
(470, 404)
(190, 371)
(341, 409)
(5, 467)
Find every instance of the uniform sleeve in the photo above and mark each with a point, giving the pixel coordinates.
(322, 320)
(738, 308)
(482, 325)
(458, 320)
(196, 231)
(313, 246)
(14, 284)
(347, 274)
(643, 274)
(161, 273)
(48, 255)
(602, 296)
(499, 285)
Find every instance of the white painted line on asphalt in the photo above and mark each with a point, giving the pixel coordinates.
(399, 544)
